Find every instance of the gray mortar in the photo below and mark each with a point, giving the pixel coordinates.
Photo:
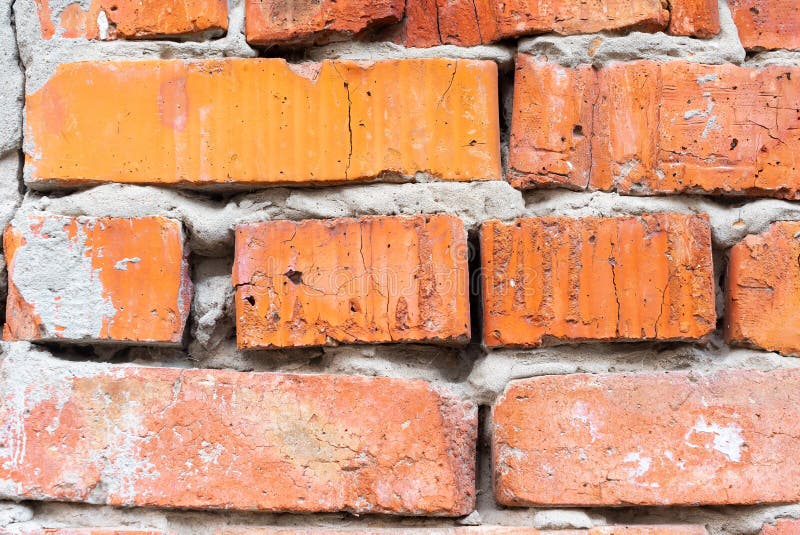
(602, 48)
(12, 84)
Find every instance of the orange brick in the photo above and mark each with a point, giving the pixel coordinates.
(371, 280)
(648, 439)
(697, 18)
(647, 127)
(767, 24)
(467, 22)
(179, 438)
(97, 279)
(763, 293)
(277, 22)
(482, 530)
(88, 531)
(557, 279)
(262, 121)
(782, 527)
(133, 19)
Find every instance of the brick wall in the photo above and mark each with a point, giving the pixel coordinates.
(395, 267)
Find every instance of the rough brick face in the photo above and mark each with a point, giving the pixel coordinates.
(698, 18)
(468, 23)
(649, 128)
(648, 439)
(767, 24)
(557, 279)
(166, 437)
(372, 280)
(782, 527)
(131, 19)
(260, 121)
(482, 530)
(763, 293)
(278, 22)
(88, 531)
(96, 279)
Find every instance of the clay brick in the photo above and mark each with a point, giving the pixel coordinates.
(482, 530)
(648, 439)
(764, 290)
(278, 22)
(262, 121)
(88, 531)
(556, 279)
(96, 279)
(645, 127)
(696, 18)
(767, 24)
(131, 19)
(370, 280)
(782, 527)
(180, 438)
(467, 23)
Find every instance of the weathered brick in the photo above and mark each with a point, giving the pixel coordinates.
(557, 279)
(648, 439)
(646, 127)
(369, 280)
(466, 22)
(96, 279)
(697, 18)
(278, 22)
(782, 527)
(481, 530)
(180, 438)
(129, 19)
(767, 24)
(262, 121)
(87, 531)
(764, 290)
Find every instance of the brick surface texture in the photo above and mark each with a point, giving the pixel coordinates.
(170, 438)
(647, 439)
(382, 279)
(386, 267)
(548, 280)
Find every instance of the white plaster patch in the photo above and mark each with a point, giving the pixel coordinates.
(102, 25)
(122, 265)
(54, 275)
(582, 414)
(641, 464)
(727, 439)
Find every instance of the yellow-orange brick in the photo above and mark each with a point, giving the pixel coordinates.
(132, 19)
(371, 280)
(84, 278)
(557, 279)
(674, 438)
(262, 121)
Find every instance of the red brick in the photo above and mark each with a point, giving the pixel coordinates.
(645, 127)
(173, 438)
(557, 279)
(133, 19)
(370, 280)
(467, 23)
(262, 121)
(696, 18)
(278, 22)
(763, 293)
(767, 24)
(782, 527)
(97, 279)
(648, 439)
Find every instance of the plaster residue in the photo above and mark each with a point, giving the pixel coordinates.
(53, 273)
(727, 439)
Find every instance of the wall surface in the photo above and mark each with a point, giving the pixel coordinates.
(400, 266)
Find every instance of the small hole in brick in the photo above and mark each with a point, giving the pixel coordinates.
(250, 299)
(734, 143)
(577, 131)
(295, 276)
